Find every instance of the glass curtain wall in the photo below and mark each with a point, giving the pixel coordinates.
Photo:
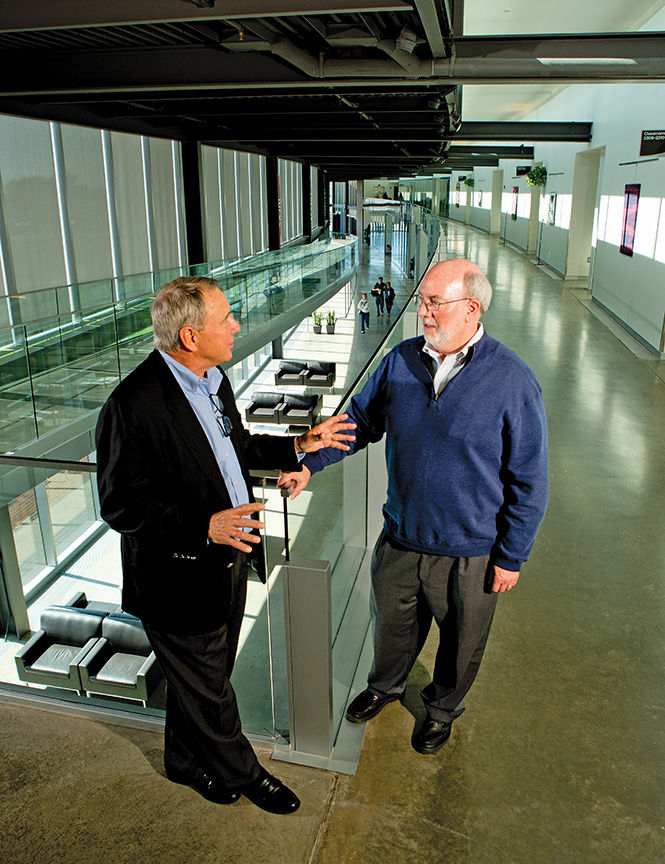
(314, 179)
(82, 205)
(32, 230)
(87, 202)
(234, 196)
(290, 199)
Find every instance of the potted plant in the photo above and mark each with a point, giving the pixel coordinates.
(330, 322)
(469, 181)
(537, 176)
(318, 318)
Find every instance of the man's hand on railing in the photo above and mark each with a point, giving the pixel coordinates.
(294, 481)
(330, 433)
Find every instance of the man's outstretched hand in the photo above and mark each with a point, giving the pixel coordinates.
(331, 433)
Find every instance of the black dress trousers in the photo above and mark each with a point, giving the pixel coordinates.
(203, 731)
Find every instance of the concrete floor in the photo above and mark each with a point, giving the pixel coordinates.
(560, 755)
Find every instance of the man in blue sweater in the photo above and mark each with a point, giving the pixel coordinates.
(466, 450)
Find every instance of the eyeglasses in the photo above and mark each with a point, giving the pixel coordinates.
(225, 425)
(434, 304)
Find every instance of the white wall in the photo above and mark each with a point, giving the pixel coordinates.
(631, 288)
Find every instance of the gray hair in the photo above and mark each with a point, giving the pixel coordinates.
(179, 304)
(477, 285)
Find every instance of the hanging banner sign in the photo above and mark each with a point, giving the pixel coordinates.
(653, 142)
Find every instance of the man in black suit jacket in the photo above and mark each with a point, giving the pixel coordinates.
(173, 460)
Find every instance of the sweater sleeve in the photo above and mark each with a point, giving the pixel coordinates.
(367, 412)
(525, 484)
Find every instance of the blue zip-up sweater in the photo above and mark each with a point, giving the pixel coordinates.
(467, 471)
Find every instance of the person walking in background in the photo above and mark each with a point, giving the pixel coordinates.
(466, 452)
(363, 308)
(389, 295)
(377, 294)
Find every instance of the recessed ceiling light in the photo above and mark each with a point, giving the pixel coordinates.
(586, 61)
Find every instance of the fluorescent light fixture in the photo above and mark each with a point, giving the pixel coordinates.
(586, 61)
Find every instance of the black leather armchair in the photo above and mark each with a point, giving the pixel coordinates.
(291, 372)
(80, 601)
(264, 408)
(300, 410)
(320, 373)
(122, 662)
(52, 655)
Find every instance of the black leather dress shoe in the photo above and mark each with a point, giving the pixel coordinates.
(270, 794)
(206, 787)
(431, 736)
(367, 705)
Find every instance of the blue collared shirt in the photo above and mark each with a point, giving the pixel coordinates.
(198, 391)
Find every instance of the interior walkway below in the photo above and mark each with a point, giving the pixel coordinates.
(559, 756)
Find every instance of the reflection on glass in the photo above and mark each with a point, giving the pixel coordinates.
(27, 530)
(71, 506)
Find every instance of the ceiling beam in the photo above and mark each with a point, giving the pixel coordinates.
(603, 59)
(434, 22)
(456, 16)
(521, 131)
(56, 14)
(519, 152)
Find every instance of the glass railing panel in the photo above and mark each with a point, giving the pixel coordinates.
(37, 304)
(259, 677)
(78, 357)
(96, 294)
(113, 335)
(132, 287)
(134, 335)
(161, 277)
(17, 410)
(61, 510)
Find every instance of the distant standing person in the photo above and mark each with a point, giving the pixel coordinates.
(377, 294)
(389, 295)
(363, 308)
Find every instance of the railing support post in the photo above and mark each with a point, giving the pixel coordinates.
(307, 614)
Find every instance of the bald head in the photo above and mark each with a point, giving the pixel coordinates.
(459, 277)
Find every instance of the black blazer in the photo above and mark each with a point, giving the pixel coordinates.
(159, 484)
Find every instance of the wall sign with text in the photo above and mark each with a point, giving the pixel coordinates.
(653, 142)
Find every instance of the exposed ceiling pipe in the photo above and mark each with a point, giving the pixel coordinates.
(497, 61)
(406, 60)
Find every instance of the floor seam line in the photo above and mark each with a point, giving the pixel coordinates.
(325, 822)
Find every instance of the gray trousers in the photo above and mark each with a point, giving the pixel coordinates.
(203, 731)
(409, 589)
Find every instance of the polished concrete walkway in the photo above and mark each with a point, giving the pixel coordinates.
(560, 755)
